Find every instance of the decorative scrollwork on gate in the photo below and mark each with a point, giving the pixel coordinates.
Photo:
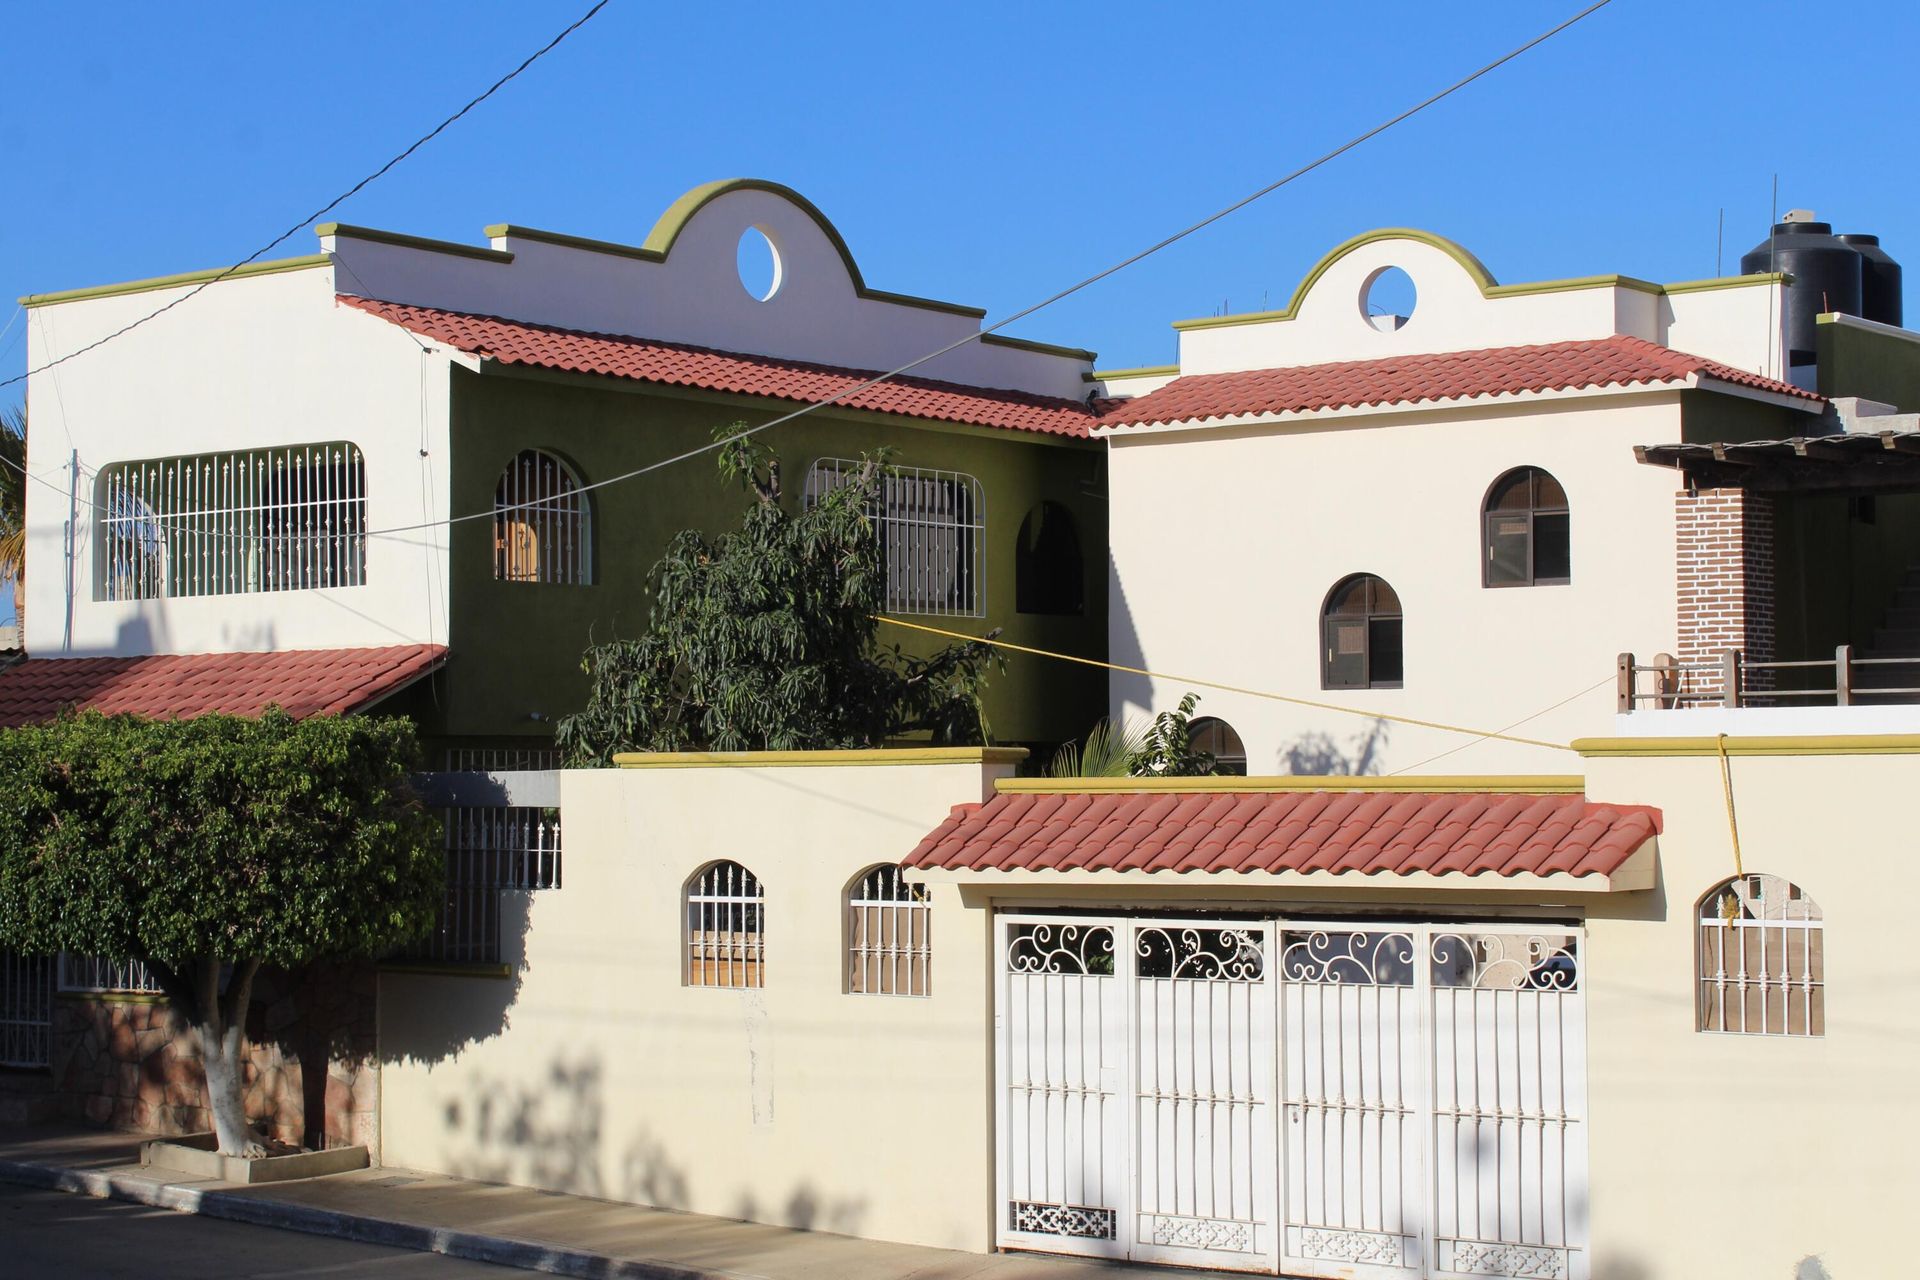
(1506, 961)
(1356, 957)
(1201, 1233)
(1082, 950)
(1485, 1258)
(1228, 955)
(1351, 1246)
(1080, 1221)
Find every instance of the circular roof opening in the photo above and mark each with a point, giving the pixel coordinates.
(759, 263)
(1388, 298)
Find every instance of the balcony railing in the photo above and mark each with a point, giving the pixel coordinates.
(1733, 680)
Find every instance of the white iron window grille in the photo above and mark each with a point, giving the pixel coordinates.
(932, 530)
(291, 518)
(889, 940)
(541, 530)
(1762, 961)
(489, 851)
(26, 1010)
(99, 974)
(726, 928)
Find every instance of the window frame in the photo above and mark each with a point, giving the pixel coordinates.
(1531, 514)
(1368, 618)
(1027, 564)
(547, 514)
(746, 959)
(905, 534)
(912, 911)
(1711, 925)
(1202, 724)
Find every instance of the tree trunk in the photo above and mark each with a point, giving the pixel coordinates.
(219, 1019)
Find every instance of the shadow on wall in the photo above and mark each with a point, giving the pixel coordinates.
(553, 1135)
(462, 1009)
(1317, 754)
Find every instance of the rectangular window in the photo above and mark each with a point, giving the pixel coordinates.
(931, 526)
(291, 518)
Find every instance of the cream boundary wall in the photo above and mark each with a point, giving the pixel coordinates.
(695, 295)
(1272, 517)
(1736, 1156)
(252, 362)
(595, 1071)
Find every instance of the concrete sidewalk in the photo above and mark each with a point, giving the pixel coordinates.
(512, 1226)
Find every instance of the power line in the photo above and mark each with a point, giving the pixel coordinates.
(327, 208)
(495, 511)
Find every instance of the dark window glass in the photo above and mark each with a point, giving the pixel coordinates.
(1361, 635)
(1217, 738)
(1525, 531)
(1049, 575)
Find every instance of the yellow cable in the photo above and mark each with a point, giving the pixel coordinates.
(1733, 823)
(1227, 688)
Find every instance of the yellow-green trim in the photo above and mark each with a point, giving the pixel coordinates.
(1864, 744)
(508, 231)
(660, 240)
(1443, 784)
(449, 970)
(1144, 371)
(1728, 282)
(803, 759)
(112, 997)
(375, 236)
(1042, 348)
(272, 267)
(1482, 278)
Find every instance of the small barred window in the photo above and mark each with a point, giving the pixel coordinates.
(726, 928)
(889, 945)
(541, 532)
(1762, 963)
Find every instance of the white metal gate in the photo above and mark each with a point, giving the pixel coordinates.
(1431, 1081)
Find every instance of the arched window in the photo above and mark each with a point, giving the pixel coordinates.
(1525, 537)
(1360, 635)
(889, 944)
(726, 927)
(1762, 962)
(1217, 738)
(541, 529)
(1048, 573)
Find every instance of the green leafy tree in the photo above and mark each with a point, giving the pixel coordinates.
(1161, 749)
(206, 848)
(765, 639)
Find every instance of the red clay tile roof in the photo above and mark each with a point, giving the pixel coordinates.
(1363, 833)
(303, 682)
(677, 364)
(1558, 366)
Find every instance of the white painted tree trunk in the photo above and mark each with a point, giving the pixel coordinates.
(219, 1019)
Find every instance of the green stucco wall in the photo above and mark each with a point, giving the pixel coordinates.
(516, 646)
(1876, 366)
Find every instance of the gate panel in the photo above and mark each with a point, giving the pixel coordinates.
(1062, 1068)
(1509, 1103)
(1203, 1114)
(26, 1010)
(1351, 1087)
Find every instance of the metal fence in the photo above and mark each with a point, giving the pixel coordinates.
(26, 1010)
(490, 851)
(1731, 679)
(97, 973)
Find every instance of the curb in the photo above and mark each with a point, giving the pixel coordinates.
(527, 1255)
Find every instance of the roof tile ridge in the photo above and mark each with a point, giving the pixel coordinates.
(1032, 399)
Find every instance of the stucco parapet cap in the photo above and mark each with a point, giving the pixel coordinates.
(271, 267)
(1451, 784)
(373, 235)
(817, 759)
(1862, 744)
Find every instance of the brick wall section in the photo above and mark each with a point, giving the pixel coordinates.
(1725, 568)
(312, 1072)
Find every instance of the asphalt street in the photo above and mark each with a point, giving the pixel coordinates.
(52, 1235)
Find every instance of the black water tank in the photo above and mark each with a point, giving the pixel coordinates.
(1826, 277)
(1879, 280)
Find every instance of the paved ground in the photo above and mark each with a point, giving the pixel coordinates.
(54, 1235)
(535, 1230)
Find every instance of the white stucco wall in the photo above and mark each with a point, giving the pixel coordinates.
(594, 1070)
(1734, 1155)
(1226, 542)
(249, 362)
